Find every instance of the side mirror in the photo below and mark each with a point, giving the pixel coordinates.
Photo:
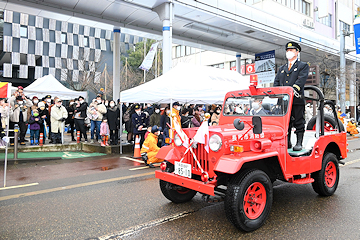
(238, 124)
(256, 122)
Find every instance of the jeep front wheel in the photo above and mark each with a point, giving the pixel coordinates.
(175, 193)
(248, 200)
(327, 179)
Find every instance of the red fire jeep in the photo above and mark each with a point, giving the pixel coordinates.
(249, 152)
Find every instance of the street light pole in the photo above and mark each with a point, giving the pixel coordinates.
(342, 70)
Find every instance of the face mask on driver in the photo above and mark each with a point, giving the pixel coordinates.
(255, 105)
(290, 55)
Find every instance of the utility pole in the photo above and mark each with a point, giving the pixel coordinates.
(342, 70)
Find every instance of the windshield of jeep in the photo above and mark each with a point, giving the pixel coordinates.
(273, 105)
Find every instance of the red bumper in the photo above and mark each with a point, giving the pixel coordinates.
(186, 182)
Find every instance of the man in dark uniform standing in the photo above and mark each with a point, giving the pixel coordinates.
(294, 74)
(140, 123)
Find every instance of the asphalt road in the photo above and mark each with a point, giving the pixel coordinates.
(117, 198)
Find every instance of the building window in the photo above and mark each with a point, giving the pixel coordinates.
(178, 51)
(344, 26)
(182, 51)
(86, 41)
(188, 50)
(220, 65)
(325, 20)
(63, 38)
(23, 32)
(305, 7)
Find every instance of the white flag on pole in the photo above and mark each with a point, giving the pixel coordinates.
(202, 135)
(184, 138)
(147, 63)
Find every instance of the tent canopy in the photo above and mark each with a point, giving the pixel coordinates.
(50, 85)
(187, 83)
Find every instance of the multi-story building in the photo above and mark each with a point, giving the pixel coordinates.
(325, 17)
(34, 46)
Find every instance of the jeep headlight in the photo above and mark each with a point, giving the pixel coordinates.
(215, 142)
(177, 140)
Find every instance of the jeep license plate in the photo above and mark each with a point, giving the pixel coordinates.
(183, 169)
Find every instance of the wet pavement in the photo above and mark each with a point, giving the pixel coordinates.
(117, 197)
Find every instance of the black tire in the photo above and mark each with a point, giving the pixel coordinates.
(240, 189)
(175, 193)
(329, 123)
(327, 179)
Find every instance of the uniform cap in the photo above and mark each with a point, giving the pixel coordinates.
(48, 96)
(293, 45)
(176, 104)
(137, 106)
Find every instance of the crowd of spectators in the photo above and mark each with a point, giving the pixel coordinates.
(139, 119)
(51, 116)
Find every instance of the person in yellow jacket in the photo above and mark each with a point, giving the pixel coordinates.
(150, 149)
(351, 127)
(175, 115)
(340, 115)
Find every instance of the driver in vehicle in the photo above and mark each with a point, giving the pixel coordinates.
(257, 108)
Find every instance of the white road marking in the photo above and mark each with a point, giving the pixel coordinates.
(19, 186)
(351, 162)
(140, 227)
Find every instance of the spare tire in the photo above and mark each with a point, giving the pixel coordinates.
(329, 123)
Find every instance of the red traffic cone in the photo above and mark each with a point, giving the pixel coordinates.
(78, 136)
(137, 147)
(41, 140)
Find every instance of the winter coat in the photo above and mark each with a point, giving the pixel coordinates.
(150, 147)
(4, 115)
(104, 129)
(70, 110)
(14, 117)
(97, 110)
(57, 113)
(351, 128)
(139, 120)
(155, 119)
(113, 117)
(215, 119)
(82, 109)
(164, 120)
(35, 125)
(195, 122)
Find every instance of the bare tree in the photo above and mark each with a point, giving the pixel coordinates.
(329, 70)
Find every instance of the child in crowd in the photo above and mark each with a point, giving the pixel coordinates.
(104, 132)
(35, 123)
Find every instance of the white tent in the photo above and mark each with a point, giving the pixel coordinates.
(50, 85)
(187, 83)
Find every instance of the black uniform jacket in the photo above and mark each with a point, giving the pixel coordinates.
(295, 77)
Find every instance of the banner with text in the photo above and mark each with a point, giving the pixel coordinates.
(265, 67)
(148, 61)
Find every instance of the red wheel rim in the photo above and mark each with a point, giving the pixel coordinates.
(254, 200)
(330, 174)
(327, 127)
